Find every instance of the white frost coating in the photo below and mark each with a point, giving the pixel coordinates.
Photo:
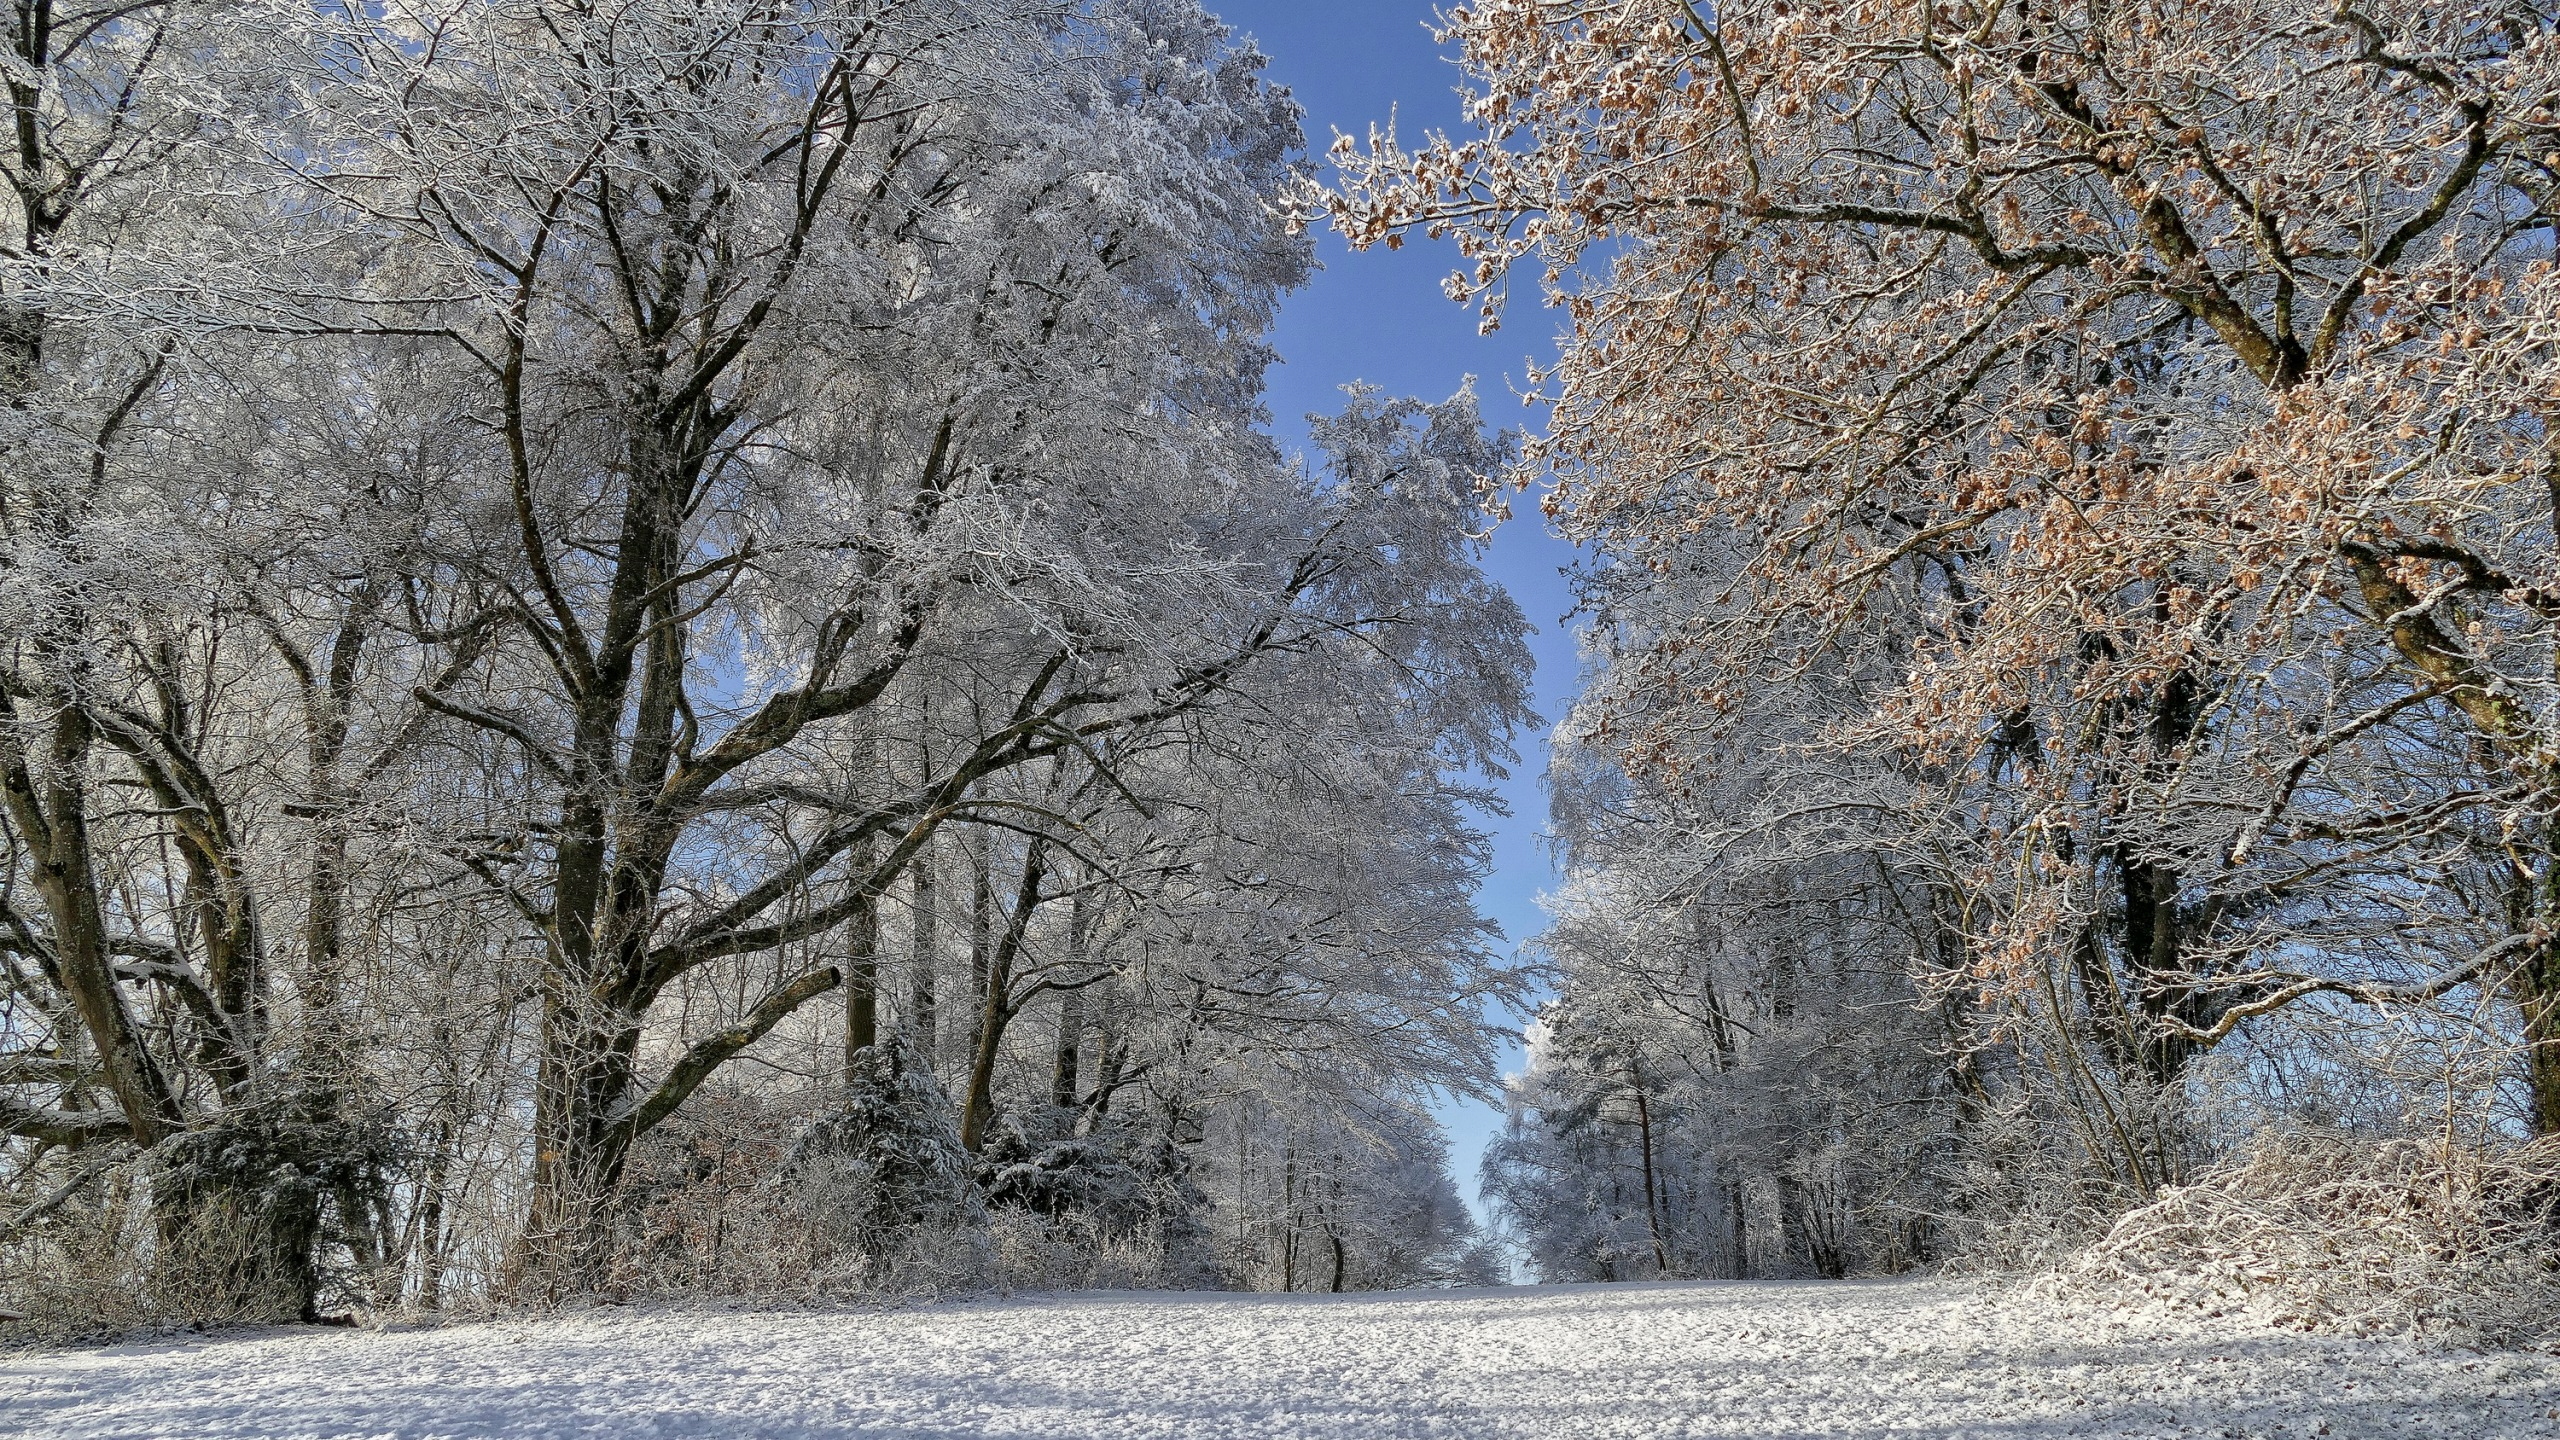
(1768, 1360)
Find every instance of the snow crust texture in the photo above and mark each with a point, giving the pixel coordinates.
(1773, 1361)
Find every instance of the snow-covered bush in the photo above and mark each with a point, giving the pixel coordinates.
(701, 1216)
(1034, 1252)
(78, 1272)
(866, 1196)
(1079, 1175)
(2429, 1237)
(887, 1160)
(246, 1221)
(2022, 1193)
(264, 1198)
(1111, 1209)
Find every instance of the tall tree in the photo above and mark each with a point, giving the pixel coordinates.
(2156, 398)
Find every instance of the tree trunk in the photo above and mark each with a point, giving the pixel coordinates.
(861, 977)
(1289, 1218)
(328, 701)
(995, 1009)
(982, 934)
(2535, 988)
(921, 1018)
(323, 933)
(429, 1224)
(51, 811)
(1652, 1192)
(586, 1071)
(1062, 1074)
(1111, 1059)
(1737, 1223)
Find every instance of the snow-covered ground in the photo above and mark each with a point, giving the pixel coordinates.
(1773, 1361)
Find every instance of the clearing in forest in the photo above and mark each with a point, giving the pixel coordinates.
(1778, 1361)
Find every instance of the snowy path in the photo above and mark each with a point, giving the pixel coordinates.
(1774, 1361)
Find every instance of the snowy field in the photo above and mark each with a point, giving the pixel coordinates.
(1775, 1361)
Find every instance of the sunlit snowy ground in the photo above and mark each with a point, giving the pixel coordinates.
(1777, 1361)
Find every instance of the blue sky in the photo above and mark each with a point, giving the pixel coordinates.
(1379, 316)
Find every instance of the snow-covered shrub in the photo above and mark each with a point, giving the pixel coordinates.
(866, 1195)
(253, 1211)
(886, 1160)
(2428, 1237)
(241, 1222)
(701, 1215)
(1112, 1209)
(2022, 1194)
(1037, 1252)
(1080, 1175)
(110, 1273)
(79, 1273)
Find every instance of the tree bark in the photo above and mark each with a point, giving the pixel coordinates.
(1289, 1218)
(1111, 1059)
(861, 979)
(922, 1021)
(995, 1010)
(982, 941)
(1652, 1193)
(1063, 1080)
(51, 811)
(2535, 988)
(585, 1070)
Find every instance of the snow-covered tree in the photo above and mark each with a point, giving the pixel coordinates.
(545, 539)
(2089, 465)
